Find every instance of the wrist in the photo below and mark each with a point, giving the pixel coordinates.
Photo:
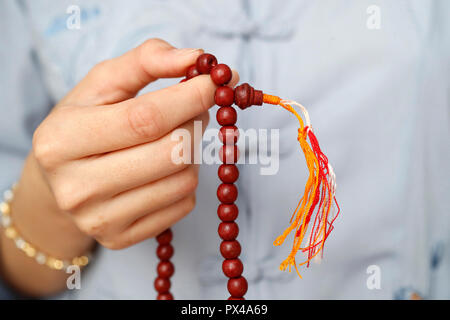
(40, 222)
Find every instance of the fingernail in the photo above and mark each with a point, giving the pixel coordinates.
(188, 51)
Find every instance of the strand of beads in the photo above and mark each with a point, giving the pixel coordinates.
(227, 191)
(165, 268)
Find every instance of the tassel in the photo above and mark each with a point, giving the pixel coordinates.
(315, 213)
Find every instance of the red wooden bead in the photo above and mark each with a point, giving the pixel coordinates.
(230, 249)
(228, 230)
(164, 252)
(165, 269)
(205, 63)
(245, 96)
(234, 298)
(227, 212)
(237, 287)
(221, 74)
(192, 72)
(228, 173)
(232, 268)
(229, 134)
(165, 237)
(162, 285)
(229, 154)
(226, 116)
(224, 96)
(165, 296)
(227, 193)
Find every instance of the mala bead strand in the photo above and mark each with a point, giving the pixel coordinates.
(165, 268)
(228, 172)
(244, 97)
(321, 172)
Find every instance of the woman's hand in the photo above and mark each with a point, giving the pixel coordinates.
(105, 154)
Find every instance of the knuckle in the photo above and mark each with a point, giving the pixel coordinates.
(152, 43)
(150, 48)
(40, 147)
(144, 120)
(95, 226)
(49, 141)
(65, 196)
(100, 74)
(70, 193)
(101, 67)
(43, 148)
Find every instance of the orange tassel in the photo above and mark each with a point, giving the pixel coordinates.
(317, 203)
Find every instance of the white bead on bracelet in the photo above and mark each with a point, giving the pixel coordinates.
(32, 252)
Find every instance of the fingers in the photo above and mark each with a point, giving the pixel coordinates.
(171, 107)
(108, 218)
(121, 78)
(102, 177)
(151, 225)
(138, 165)
(90, 131)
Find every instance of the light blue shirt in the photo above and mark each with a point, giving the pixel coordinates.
(379, 104)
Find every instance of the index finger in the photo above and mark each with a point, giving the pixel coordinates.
(155, 114)
(135, 121)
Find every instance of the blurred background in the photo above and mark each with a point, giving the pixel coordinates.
(374, 76)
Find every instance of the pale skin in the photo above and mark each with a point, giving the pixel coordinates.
(100, 169)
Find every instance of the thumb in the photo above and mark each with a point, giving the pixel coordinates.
(121, 78)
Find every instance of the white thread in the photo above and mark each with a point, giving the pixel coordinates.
(333, 184)
(304, 111)
(332, 179)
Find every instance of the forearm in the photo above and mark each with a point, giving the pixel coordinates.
(39, 221)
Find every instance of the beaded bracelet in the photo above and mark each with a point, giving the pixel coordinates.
(31, 251)
(315, 212)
